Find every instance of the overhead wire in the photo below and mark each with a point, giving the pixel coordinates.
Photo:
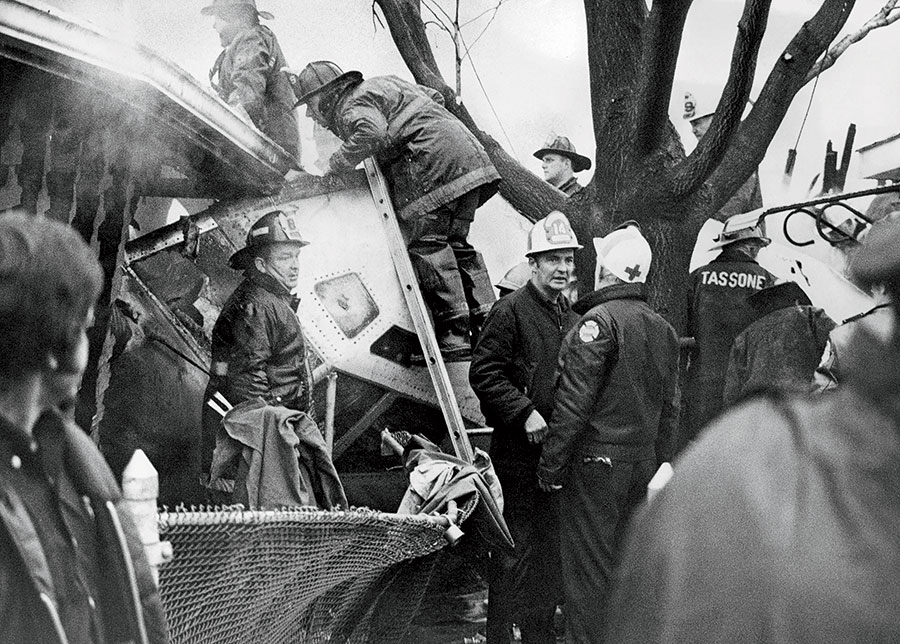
(468, 55)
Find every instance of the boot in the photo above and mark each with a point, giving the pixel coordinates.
(442, 290)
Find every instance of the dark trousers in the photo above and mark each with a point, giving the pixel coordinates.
(451, 273)
(595, 506)
(524, 585)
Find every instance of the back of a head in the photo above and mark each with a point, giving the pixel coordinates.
(624, 253)
(49, 280)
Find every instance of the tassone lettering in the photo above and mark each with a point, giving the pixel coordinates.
(733, 279)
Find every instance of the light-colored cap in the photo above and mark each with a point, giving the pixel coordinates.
(625, 253)
(553, 232)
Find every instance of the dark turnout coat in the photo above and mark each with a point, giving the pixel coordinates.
(781, 349)
(717, 311)
(250, 75)
(512, 373)
(258, 351)
(617, 385)
(429, 156)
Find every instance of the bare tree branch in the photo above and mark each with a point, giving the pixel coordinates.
(526, 192)
(408, 32)
(661, 44)
(786, 78)
(887, 15)
(696, 168)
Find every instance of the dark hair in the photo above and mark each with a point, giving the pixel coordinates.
(49, 280)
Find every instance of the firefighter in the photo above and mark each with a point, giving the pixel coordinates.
(249, 72)
(514, 279)
(717, 311)
(72, 566)
(258, 348)
(779, 351)
(615, 413)
(512, 375)
(699, 111)
(560, 162)
(439, 175)
(781, 523)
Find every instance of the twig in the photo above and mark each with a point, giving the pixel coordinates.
(887, 15)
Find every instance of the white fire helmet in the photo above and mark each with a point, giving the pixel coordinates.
(553, 232)
(625, 253)
(697, 105)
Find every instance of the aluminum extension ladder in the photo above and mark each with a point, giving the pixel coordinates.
(419, 312)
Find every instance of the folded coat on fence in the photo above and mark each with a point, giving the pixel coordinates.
(283, 458)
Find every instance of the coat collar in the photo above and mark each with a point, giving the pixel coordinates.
(560, 300)
(270, 284)
(777, 297)
(614, 292)
(731, 254)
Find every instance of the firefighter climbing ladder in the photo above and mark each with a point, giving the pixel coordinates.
(419, 313)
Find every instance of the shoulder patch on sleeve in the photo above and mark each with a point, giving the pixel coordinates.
(588, 331)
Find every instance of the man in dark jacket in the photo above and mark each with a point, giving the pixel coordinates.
(512, 375)
(72, 566)
(717, 312)
(780, 350)
(438, 174)
(781, 523)
(258, 348)
(614, 417)
(249, 73)
(560, 162)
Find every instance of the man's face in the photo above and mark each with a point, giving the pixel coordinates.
(701, 125)
(557, 169)
(227, 25)
(551, 271)
(313, 111)
(63, 381)
(281, 261)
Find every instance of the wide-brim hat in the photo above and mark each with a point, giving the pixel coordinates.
(320, 76)
(563, 146)
(218, 5)
(274, 227)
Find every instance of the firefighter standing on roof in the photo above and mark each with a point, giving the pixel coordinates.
(512, 375)
(249, 73)
(258, 348)
(615, 413)
(717, 311)
(438, 173)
